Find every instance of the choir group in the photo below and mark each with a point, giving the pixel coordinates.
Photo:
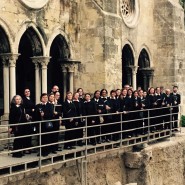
(131, 103)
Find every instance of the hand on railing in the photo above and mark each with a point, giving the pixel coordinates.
(10, 130)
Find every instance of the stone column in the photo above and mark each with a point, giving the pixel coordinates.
(64, 73)
(145, 82)
(12, 65)
(5, 61)
(150, 78)
(44, 63)
(134, 73)
(36, 60)
(71, 77)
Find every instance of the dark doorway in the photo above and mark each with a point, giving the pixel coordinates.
(59, 52)
(127, 64)
(29, 46)
(143, 79)
(4, 48)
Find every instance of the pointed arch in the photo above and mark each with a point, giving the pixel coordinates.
(145, 72)
(7, 33)
(33, 30)
(127, 64)
(56, 32)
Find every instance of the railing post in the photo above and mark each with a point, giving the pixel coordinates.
(171, 121)
(180, 107)
(121, 121)
(148, 125)
(40, 149)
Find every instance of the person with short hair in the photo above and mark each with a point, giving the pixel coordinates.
(44, 111)
(17, 116)
(69, 111)
(89, 108)
(176, 100)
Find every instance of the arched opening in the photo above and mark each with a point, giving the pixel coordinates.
(144, 73)
(59, 52)
(127, 64)
(29, 46)
(4, 48)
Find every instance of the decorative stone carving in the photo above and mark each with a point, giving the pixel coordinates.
(130, 12)
(34, 4)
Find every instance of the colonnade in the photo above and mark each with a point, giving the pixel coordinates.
(41, 62)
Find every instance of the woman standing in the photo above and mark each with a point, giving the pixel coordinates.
(79, 110)
(17, 115)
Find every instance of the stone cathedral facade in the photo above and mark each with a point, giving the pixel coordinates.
(92, 44)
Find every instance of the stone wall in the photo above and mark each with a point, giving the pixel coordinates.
(160, 163)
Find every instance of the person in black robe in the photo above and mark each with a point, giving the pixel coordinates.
(69, 111)
(79, 122)
(176, 100)
(100, 109)
(113, 103)
(89, 108)
(17, 116)
(136, 106)
(151, 104)
(159, 110)
(167, 102)
(44, 112)
(29, 106)
(122, 105)
(144, 113)
(129, 114)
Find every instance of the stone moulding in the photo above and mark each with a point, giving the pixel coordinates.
(130, 11)
(34, 4)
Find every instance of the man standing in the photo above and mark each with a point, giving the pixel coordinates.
(176, 100)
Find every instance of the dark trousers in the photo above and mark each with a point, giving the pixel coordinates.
(55, 136)
(116, 127)
(79, 132)
(175, 120)
(69, 135)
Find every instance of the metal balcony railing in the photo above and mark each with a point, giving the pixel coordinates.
(142, 128)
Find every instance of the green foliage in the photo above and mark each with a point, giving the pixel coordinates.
(183, 121)
(182, 2)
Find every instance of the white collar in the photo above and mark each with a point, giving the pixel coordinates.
(69, 101)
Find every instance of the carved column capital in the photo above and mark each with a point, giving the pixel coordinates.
(9, 59)
(71, 68)
(134, 69)
(64, 68)
(41, 60)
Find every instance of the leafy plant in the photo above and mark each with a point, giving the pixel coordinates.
(183, 121)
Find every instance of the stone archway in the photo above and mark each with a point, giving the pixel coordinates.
(29, 46)
(59, 53)
(145, 72)
(4, 49)
(127, 65)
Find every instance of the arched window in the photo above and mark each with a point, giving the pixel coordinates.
(127, 64)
